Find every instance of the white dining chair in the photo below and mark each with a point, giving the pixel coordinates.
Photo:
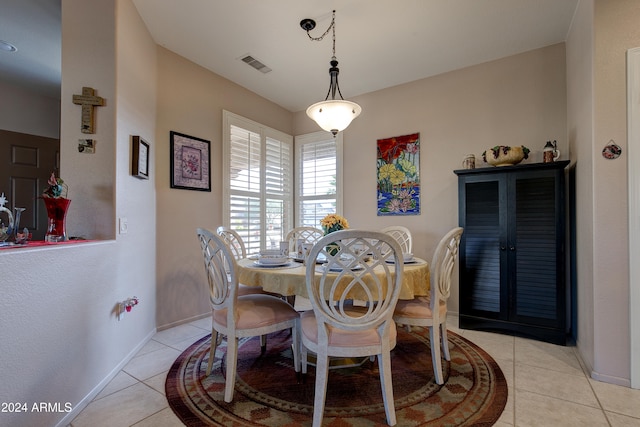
(239, 251)
(239, 316)
(431, 312)
(306, 234)
(402, 235)
(335, 328)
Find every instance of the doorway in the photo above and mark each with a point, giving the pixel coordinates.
(26, 163)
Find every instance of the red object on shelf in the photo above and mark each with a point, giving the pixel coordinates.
(57, 218)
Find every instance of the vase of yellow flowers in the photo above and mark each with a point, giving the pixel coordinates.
(331, 223)
(57, 204)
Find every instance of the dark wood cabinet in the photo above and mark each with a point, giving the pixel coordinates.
(513, 250)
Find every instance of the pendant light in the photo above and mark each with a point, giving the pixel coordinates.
(332, 115)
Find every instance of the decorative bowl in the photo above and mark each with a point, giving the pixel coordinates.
(272, 260)
(504, 155)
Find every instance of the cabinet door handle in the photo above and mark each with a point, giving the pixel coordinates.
(512, 248)
(502, 247)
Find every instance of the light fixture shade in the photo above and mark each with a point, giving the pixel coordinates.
(334, 115)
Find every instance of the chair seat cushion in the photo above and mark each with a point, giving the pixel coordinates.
(341, 337)
(259, 310)
(418, 308)
(249, 290)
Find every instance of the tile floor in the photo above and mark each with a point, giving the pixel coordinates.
(547, 385)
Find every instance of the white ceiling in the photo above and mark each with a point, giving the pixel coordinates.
(379, 43)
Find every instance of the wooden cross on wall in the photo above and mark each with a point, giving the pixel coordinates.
(88, 100)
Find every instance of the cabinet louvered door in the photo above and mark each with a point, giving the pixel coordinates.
(483, 291)
(512, 252)
(537, 250)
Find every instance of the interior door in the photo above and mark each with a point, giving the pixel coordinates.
(26, 163)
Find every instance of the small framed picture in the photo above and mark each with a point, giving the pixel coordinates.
(190, 162)
(140, 158)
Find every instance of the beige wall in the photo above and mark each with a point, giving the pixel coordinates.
(24, 111)
(616, 30)
(519, 100)
(190, 101)
(61, 341)
(580, 130)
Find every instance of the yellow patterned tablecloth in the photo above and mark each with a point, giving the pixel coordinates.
(290, 279)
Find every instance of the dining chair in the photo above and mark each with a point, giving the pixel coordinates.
(307, 234)
(239, 251)
(240, 316)
(431, 311)
(334, 327)
(402, 235)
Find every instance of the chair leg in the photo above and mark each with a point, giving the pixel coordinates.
(384, 366)
(296, 346)
(445, 341)
(212, 350)
(232, 361)
(434, 335)
(322, 376)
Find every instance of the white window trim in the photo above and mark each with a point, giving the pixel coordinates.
(229, 119)
(310, 138)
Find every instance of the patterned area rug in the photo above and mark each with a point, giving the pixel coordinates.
(268, 393)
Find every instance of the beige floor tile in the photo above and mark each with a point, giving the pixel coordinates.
(177, 334)
(498, 346)
(555, 384)
(543, 411)
(164, 418)
(621, 400)
(618, 420)
(123, 408)
(186, 343)
(150, 346)
(549, 356)
(157, 382)
(151, 364)
(119, 382)
(204, 323)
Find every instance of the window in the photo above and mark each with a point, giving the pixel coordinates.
(318, 172)
(258, 193)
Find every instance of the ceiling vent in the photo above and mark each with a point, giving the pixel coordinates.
(248, 59)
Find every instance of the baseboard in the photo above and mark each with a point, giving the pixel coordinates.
(625, 382)
(183, 321)
(79, 407)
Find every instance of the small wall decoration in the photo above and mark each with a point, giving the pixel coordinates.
(87, 146)
(611, 151)
(190, 162)
(88, 100)
(139, 158)
(398, 166)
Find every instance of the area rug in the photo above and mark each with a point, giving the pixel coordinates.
(268, 392)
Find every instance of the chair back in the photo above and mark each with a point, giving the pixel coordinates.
(402, 235)
(357, 263)
(234, 241)
(307, 234)
(442, 265)
(220, 267)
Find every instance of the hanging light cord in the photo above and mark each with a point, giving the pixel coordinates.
(333, 71)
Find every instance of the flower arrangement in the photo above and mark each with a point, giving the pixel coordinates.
(57, 188)
(333, 222)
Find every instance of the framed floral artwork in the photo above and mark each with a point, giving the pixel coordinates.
(398, 167)
(190, 162)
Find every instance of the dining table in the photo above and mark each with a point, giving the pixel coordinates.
(289, 279)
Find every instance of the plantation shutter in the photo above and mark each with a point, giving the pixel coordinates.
(257, 182)
(318, 177)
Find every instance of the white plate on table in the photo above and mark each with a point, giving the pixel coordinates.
(406, 261)
(268, 264)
